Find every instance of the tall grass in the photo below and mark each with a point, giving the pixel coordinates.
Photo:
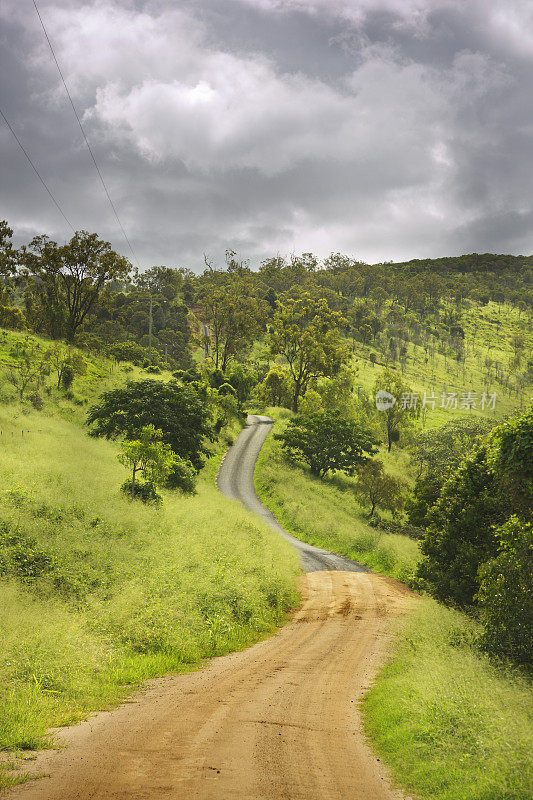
(326, 513)
(98, 593)
(451, 725)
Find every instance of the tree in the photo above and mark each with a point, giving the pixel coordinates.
(398, 414)
(305, 331)
(276, 388)
(232, 314)
(505, 594)
(377, 489)
(155, 461)
(174, 409)
(63, 282)
(161, 280)
(28, 367)
(459, 537)
(326, 441)
(243, 381)
(490, 485)
(7, 252)
(436, 454)
(64, 360)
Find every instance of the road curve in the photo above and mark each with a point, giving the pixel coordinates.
(236, 479)
(278, 721)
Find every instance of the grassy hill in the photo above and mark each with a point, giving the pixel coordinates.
(492, 364)
(97, 593)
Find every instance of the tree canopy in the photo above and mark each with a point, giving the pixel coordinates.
(305, 331)
(174, 409)
(327, 441)
(63, 282)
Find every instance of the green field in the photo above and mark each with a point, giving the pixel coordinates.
(451, 725)
(489, 331)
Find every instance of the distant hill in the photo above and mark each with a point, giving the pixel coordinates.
(473, 262)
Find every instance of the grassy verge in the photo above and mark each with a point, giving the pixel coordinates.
(98, 593)
(326, 514)
(451, 725)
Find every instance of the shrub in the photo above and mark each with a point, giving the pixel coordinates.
(128, 351)
(142, 490)
(67, 377)
(506, 593)
(327, 441)
(37, 401)
(154, 460)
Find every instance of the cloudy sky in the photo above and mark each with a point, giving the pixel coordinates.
(384, 129)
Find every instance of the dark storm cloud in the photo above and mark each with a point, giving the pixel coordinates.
(387, 129)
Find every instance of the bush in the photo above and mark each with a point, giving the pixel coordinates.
(67, 376)
(143, 490)
(183, 476)
(128, 351)
(506, 594)
(37, 401)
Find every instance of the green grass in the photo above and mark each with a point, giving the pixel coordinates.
(102, 374)
(326, 513)
(451, 725)
(98, 593)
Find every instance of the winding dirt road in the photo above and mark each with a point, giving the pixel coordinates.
(279, 720)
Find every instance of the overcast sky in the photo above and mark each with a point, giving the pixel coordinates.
(384, 129)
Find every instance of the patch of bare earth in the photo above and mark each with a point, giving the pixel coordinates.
(279, 720)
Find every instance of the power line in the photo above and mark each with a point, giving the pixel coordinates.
(84, 135)
(36, 170)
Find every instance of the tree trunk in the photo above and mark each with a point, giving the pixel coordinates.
(296, 397)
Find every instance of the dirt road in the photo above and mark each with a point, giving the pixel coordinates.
(277, 721)
(236, 479)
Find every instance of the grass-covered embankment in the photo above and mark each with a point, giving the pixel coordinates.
(98, 593)
(451, 725)
(326, 514)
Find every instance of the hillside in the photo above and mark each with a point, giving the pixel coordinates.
(98, 594)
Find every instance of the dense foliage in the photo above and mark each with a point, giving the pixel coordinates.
(326, 441)
(171, 407)
(478, 546)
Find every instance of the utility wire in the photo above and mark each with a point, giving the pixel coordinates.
(36, 170)
(85, 136)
